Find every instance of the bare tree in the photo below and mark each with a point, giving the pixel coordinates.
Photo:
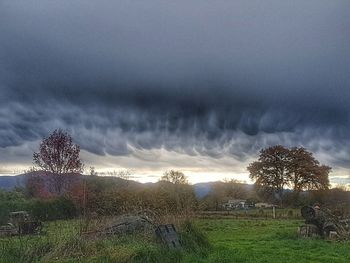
(175, 177)
(93, 171)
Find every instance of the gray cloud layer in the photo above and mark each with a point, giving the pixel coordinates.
(199, 77)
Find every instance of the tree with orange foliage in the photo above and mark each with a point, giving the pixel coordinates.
(279, 167)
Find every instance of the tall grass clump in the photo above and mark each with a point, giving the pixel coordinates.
(193, 239)
(23, 249)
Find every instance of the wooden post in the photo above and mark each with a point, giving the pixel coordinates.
(84, 199)
(273, 212)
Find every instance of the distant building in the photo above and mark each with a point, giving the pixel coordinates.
(235, 204)
(264, 205)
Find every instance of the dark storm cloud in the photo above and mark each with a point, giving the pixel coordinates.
(199, 77)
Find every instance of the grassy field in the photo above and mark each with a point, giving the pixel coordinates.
(268, 241)
(224, 240)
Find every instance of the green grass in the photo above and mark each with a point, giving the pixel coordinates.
(262, 213)
(62, 244)
(208, 240)
(268, 241)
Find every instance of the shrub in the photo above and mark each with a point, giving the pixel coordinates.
(54, 209)
(194, 240)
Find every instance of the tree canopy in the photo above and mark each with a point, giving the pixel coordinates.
(305, 172)
(59, 158)
(279, 167)
(58, 154)
(175, 177)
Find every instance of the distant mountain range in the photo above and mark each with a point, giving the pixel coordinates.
(202, 189)
(8, 183)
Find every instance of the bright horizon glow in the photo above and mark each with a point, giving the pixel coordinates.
(194, 177)
(149, 165)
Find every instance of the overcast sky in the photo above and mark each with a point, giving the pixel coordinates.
(199, 86)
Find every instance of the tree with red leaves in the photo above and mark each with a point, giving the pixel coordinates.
(59, 157)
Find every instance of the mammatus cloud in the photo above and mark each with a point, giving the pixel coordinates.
(196, 78)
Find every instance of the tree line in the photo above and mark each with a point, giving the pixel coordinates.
(282, 175)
